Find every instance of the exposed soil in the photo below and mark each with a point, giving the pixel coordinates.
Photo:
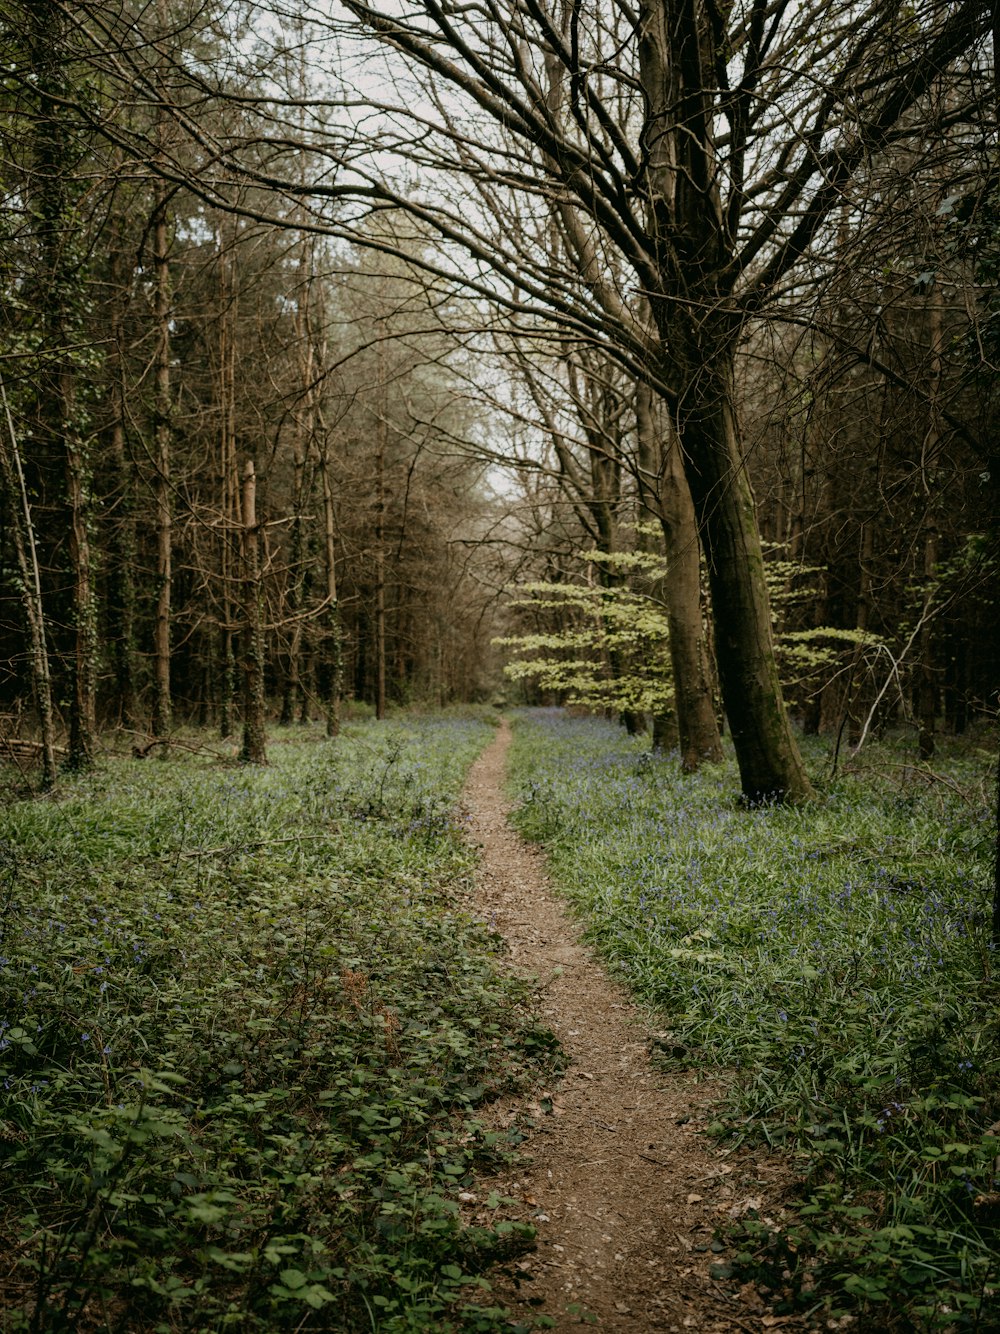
(626, 1194)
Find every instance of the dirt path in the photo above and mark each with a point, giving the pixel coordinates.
(626, 1195)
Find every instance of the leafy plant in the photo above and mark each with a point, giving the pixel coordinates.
(246, 1024)
(610, 647)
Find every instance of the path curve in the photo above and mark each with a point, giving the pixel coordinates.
(624, 1192)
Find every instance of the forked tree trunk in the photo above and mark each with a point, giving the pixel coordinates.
(699, 328)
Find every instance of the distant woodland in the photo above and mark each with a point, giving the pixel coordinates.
(350, 352)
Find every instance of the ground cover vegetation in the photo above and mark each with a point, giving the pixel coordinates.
(246, 1023)
(835, 961)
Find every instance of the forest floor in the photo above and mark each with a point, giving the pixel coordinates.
(627, 1196)
(267, 1066)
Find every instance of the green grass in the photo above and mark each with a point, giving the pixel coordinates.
(836, 959)
(245, 1025)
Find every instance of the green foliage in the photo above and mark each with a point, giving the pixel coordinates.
(611, 647)
(809, 656)
(838, 958)
(246, 1022)
(611, 650)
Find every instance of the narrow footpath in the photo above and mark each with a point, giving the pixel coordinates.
(625, 1193)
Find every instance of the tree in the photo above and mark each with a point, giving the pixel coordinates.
(54, 301)
(12, 477)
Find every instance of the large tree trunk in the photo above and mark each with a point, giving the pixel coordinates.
(771, 767)
(699, 329)
(666, 493)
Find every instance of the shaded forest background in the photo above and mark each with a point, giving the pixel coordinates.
(259, 463)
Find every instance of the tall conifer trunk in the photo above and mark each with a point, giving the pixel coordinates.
(229, 494)
(381, 435)
(59, 296)
(162, 709)
(254, 739)
(23, 531)
(927, 681)
(336, 653)
(121, 596)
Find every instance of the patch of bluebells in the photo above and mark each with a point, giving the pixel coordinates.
(712, 911)
(105, 940)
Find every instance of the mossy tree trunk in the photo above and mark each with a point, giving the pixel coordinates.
(26, 551)
(60, 296)
(699, 327)
(770, 764)
(162, 704)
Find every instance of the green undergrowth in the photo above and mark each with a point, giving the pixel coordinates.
(837, 958)
(245, 1027)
